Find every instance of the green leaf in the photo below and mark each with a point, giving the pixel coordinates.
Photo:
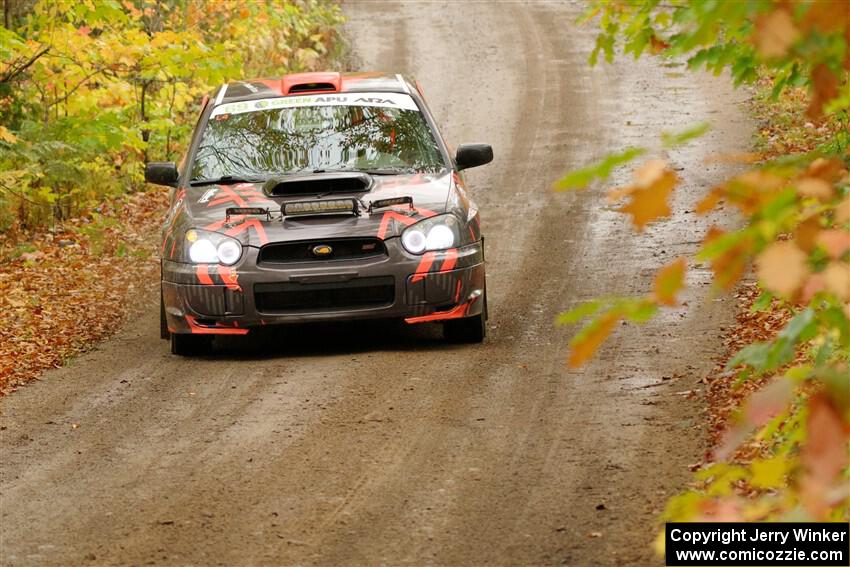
(578, 313)
(671, 140)
(580, 178)
(762, 302)
(640, 310)
(755, 355)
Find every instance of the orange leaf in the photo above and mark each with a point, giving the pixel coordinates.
(815, 284)
(588, 340)
(824, 454)
(814, 187)
(837, 279)
(842, 211)
(782, 268)
(835, 241)
(649, 172)
(830, 170)
(768, 402)
(775, 33)
(729, 266)
(806, 233)
(825, 85)
(650, 202)
(710, 201)
(826, 16)
(669, 281)
(657, 45)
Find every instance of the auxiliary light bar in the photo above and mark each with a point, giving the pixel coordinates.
(328, 207)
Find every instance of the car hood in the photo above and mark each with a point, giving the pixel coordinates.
(206, 208)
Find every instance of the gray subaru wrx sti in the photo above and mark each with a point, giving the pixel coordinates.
(319, 197)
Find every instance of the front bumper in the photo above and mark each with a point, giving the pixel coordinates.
(435, 286)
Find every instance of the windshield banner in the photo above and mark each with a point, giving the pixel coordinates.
(388, 100)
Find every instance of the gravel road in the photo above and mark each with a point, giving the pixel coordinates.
(379, 445)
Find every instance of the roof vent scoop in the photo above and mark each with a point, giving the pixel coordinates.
(298, 83)
(312, 88)
(317, 184)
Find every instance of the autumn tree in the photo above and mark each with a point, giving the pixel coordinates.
(795, 233)
(90, 88)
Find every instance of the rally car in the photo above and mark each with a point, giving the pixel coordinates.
(319, 197)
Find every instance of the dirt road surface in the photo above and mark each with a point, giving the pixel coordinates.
(374, 445)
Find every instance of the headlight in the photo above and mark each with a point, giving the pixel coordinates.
(436, 233)
(204, 247)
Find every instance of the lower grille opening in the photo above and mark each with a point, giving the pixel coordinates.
(292, 297)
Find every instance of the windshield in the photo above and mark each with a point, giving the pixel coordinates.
(358, 131)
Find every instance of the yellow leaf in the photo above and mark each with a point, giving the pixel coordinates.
(782, 268)
(769, 473)
(669, 281)
(588, 340)
(7, 136)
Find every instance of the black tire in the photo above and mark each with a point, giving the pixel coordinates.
(467, 330)
(190, 345)
(163, 324)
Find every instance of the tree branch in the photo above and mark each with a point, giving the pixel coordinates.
(13, 71)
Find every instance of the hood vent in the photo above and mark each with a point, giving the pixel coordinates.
(317, 184)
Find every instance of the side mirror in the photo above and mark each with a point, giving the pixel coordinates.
(161, 173)
(473, 155)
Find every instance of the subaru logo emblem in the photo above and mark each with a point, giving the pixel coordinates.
(321, 250)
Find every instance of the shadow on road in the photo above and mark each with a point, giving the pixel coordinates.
(322, 339)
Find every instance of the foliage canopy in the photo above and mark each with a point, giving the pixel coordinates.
(90, 88)
(795, 229)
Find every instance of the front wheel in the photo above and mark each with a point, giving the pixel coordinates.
(190, 345)
(469, 329)
(466, 330)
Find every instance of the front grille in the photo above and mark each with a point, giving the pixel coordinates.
(359, 293)
(342, 249)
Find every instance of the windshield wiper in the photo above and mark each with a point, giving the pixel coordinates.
(226, 180)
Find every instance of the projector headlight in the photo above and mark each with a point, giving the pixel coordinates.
(205, 247)
(436, 233)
